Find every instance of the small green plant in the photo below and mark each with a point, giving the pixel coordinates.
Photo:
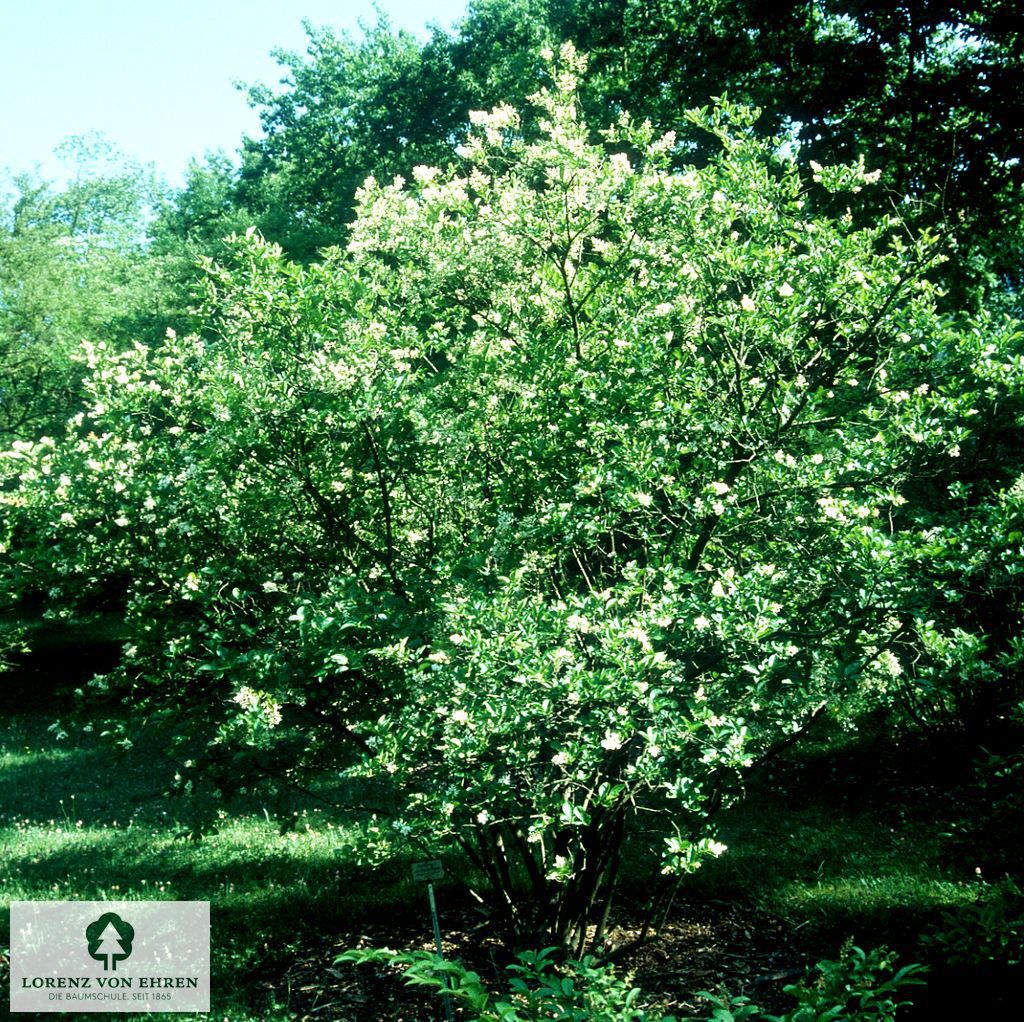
(991, 930)
(539, 988)
(860, 986)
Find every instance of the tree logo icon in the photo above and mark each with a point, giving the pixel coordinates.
(110, 940)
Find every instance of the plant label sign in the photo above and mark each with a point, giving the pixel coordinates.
(426, 872)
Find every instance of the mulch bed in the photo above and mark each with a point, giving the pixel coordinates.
(702, 946)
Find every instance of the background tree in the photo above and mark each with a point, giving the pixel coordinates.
(349, 107)
(918, 88)
(70, 270)
(915, 87)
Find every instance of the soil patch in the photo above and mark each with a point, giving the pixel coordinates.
(702, 946)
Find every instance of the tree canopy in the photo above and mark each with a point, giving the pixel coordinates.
(918, 88)
(69, 271)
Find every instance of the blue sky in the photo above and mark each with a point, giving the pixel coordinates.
(155, 76)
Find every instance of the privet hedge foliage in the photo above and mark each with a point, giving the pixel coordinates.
(571, 488)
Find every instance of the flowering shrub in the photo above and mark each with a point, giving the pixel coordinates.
(573, 487)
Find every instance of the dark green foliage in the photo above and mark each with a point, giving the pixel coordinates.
(539, 985)
(991, 832)
(991, 930)
(861, 986)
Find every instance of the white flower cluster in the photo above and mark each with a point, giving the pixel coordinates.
(890, 663)
(259, 704)
(493, 122)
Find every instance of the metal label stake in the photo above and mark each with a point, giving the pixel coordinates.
(430, 871)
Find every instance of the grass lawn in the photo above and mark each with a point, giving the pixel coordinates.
(845, 837)
(819, 847)
(79, 821)
(842, 839)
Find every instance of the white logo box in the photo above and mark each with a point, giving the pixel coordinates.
(110, 956)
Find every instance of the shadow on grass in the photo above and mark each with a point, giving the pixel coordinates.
(43, 779)
(82, 820)
(140, 862)
(62, 656)
(846, 841)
